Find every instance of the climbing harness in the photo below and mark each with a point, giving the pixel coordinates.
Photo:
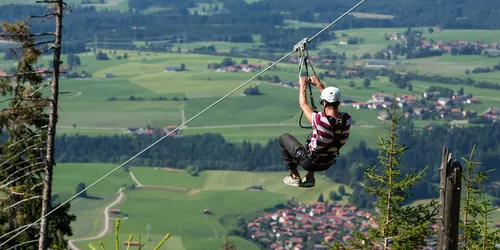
(303, 54)
(336, 123)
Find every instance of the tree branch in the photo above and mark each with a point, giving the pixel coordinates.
(21, 244)
(44, 1)
(17, 229)
(35, 186)
(46, 15)
(27, 107)
(27, 73)
(34, 171)
(26, 149)
(36, 91)
(30, 35)
(16, 193)
(29, 166)
(22, 201)
(26, 100)
(44, 42)
(15, 143)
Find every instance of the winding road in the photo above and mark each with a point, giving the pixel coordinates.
(120, 197)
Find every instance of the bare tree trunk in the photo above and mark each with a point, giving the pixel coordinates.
(47, 187)
(449, 212)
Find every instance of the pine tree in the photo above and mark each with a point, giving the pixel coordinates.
(399, 227)
(27, 157)
(228, 245)
(321, 198)
(477, 210)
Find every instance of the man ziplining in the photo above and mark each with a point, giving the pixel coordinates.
(330, 133)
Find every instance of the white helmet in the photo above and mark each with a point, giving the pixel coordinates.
(331, 94)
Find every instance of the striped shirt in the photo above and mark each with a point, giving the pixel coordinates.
(323, 133)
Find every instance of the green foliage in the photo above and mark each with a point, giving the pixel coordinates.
(228, 245)
(334, 196)
(252, 90)
(79, 188)
(342, 190)
(320, 198)
(477, 209)
(407, 227)
(366, 83)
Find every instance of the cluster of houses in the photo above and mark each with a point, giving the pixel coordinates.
(286, 229)
(239, 68)
(155, 130)
(448, 46)
(446, 107)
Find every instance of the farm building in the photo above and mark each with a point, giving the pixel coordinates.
(132, 243)
(114, 211)
(254, 187)
(374, 64)
(171, 68)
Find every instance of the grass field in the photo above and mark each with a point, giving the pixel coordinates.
(88, 211)
(86, 107)
(142, 75)
(222, 192)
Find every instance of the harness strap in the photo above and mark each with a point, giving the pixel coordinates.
(333, 149)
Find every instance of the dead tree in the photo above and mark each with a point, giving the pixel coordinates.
(449, 211)
(58, 11)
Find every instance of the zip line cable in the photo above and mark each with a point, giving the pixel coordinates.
(180, 126)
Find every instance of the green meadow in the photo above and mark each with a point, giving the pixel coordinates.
(172, 201)
(86, 109)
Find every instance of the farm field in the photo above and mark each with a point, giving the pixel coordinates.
(165, 192)
(86, 110)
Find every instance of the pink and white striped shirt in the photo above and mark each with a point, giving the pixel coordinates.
(323, 133)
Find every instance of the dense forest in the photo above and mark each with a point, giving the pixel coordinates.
(237, 21)
(211, 151)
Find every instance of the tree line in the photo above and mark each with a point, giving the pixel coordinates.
(176, 23)
(211, 151)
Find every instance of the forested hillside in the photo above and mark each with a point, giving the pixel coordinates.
(210, 151)
(175, 21)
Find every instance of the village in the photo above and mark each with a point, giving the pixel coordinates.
(431, 105)
(327, 222)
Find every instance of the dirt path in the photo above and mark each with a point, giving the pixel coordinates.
(119, 199)
(135, 179)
